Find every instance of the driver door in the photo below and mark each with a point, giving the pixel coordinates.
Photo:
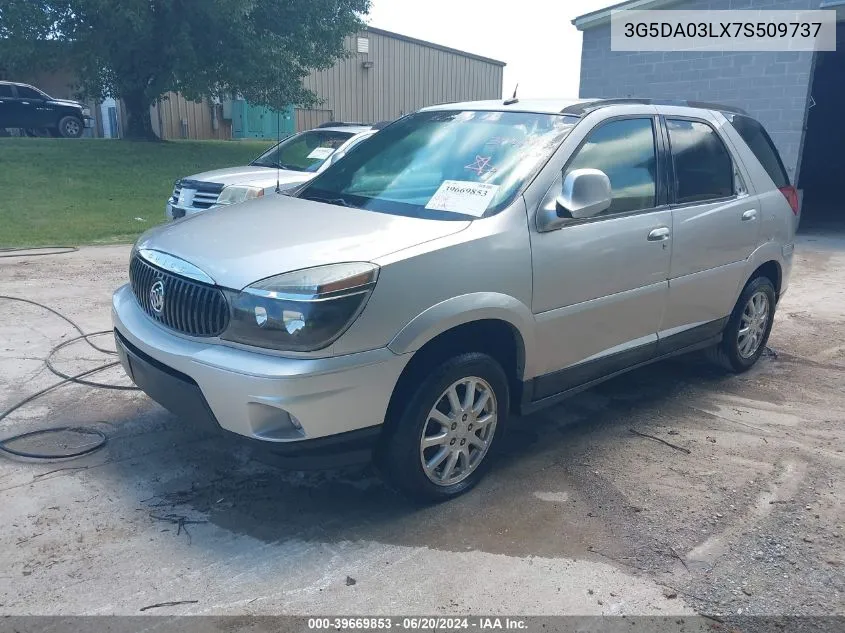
(39, 113)
(600, 283)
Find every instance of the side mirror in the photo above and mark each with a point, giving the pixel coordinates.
(585, 193)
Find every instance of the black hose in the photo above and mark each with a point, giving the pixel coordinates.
(66, 379)
(61, 316)
(77, 380)
(50, 250)
(4, 443)
(82, 430)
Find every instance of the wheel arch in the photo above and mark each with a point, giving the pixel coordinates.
(468, 309)
(772, 270)
(766, 260)
(444, 330)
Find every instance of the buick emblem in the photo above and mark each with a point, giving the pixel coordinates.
(157, 297)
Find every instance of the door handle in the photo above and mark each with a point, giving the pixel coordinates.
(24, 102)
(751, 214)
(658, 235)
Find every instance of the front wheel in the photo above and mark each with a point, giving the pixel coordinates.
(439, 446)
(748, 328)
(71, 127)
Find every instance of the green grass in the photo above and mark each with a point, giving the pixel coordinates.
(84, 191)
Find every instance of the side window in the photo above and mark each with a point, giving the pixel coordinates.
(25, 92)
(703, 167)
(625, 151)
(6, 91)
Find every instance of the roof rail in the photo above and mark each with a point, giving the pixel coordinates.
(340, 124)
(585, 107)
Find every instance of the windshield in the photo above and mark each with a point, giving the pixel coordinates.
(303, 152)
(444, 164)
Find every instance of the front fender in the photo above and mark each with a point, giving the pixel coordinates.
(464, 309)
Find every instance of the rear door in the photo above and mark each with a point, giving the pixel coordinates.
(715, 226)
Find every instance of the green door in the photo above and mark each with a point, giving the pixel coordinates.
(251, 121)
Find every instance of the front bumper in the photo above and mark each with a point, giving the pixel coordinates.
(292, 404)
(174, 211)
(88, 121)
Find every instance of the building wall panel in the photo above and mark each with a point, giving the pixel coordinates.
(198, 114)
(771, 86)
(404, 75)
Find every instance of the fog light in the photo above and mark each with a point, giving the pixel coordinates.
(270, 422)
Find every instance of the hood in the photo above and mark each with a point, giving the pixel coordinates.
(67, 102)
(254, 176)
(240, 244)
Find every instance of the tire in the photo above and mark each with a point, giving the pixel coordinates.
(401, 456)
(71, 127)
(738, 353)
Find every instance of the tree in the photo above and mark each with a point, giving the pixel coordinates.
(138, 50)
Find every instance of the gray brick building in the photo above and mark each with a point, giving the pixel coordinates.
(798, 96)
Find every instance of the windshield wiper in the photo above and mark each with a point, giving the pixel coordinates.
(276, 166)
(339, 201)
(288, 167)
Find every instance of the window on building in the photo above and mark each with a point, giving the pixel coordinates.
(703, 166)
(625, 151)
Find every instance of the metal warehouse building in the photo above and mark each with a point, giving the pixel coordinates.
(389, 75)
(798, 96)
(385, 76)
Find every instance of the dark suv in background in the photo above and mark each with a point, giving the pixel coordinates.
(26, 107)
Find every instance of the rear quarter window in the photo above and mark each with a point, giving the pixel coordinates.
(761, 145)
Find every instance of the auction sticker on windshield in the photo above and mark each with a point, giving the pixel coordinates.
(461, 196)
(321, 153)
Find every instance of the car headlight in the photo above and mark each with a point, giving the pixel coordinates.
(86, 111)
(302, 310)
(233, 194)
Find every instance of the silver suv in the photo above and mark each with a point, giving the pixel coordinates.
(286, 165)
(469, 262)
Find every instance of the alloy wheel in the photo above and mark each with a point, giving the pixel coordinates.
(458, 431)
(753, 324)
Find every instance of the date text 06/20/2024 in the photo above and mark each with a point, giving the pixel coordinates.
(416, 623)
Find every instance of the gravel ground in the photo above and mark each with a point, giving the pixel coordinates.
(580, 515)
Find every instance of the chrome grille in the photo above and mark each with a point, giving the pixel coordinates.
(190, 307)
(205, 193)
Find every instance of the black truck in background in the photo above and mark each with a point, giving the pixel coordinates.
(27, 108)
